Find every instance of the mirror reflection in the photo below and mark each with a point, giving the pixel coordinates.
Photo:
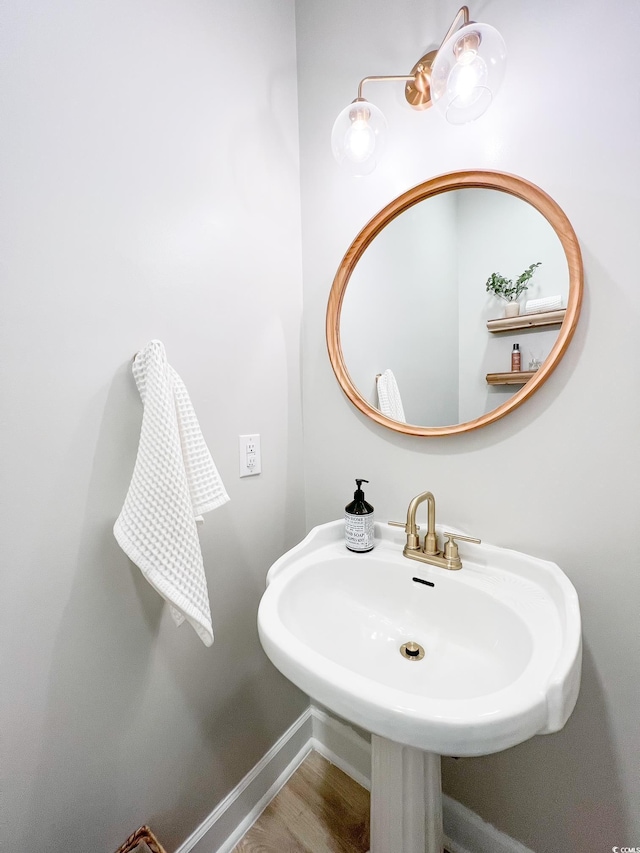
(416, 309)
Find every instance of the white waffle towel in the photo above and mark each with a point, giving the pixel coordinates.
(545, 303)
(389, 400)
(174, 481)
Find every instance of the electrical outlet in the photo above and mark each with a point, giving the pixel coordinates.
(250, 459)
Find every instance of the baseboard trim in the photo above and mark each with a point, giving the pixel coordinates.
(238, 811)
(465, 831)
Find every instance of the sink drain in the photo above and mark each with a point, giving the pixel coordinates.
(412, 651)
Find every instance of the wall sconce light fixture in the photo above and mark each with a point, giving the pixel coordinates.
(460, 79)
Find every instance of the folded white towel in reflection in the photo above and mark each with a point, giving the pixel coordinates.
(389, 400)
(545, 303)
(174, 481)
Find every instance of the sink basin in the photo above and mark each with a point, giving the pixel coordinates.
(501, 640)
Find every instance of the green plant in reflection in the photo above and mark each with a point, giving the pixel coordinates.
(506, 288)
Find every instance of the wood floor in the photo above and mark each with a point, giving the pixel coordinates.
(319, 810)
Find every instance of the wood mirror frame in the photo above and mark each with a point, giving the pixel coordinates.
(502, 182)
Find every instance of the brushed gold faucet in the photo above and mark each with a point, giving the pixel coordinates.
(449, 558)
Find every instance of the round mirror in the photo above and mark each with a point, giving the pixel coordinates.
(419, 333)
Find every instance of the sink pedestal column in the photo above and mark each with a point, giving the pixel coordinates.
(406, 799)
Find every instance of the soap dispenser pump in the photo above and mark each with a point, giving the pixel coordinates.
(359, 522)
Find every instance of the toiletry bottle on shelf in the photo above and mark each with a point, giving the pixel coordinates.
(358, 522)
(515, 358)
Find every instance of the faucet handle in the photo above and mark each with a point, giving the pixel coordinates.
(451, 553)
(452, 536)
(401, 524)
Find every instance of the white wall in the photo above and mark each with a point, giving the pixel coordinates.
(398, 313)
(148, 192)
(558, 477)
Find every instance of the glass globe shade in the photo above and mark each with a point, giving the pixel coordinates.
(467, 72)
(358, 137)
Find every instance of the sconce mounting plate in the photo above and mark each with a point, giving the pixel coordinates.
(418, 91)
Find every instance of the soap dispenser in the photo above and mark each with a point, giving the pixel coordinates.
(358, 522)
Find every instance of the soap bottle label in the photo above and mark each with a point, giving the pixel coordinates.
(358, 531)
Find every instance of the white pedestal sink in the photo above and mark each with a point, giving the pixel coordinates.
(502, 654)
